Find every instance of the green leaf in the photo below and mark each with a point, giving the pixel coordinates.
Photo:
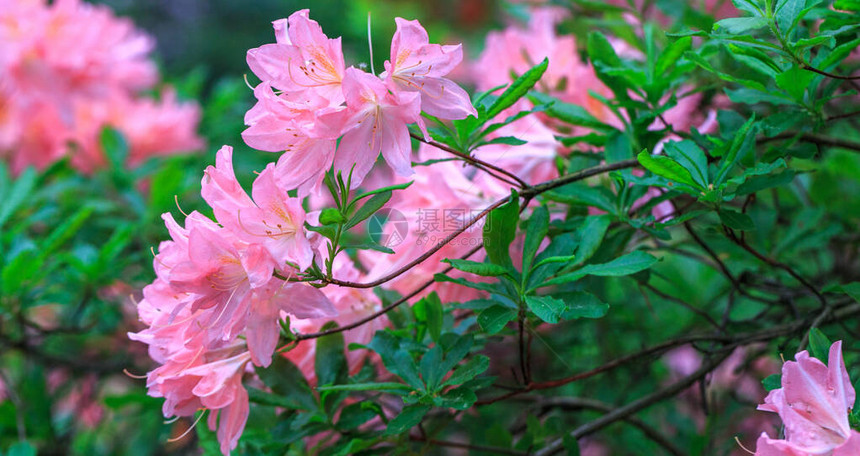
(331, 216)
(517, 89)
(668, 168)
(628, 264)
(625, 265)
(22, 448)
(469, 370)
(838, 54)
(286, 380)
(474, 267)
(488, 287)
(555, 259)
(546, 308)
(369, 246)
(456, 350)
(458, 399)
(819, 345)
(847, 5)
(429, 310)
(326, 231)
(672, 54)
(20, 191)
(736, 220)
(354, 415)
(499, 231)
(581, 304)
(605, 60)
(795, 81)
(395, 358)
(383, 386)
(369, 208)
(582, 194)
(389, 188)
(535, 233)
(330, 362)
(430, 367)
(257, 396)
(758, 183)
(568, 113)
(591, 235)
(495, 318)
(687, 154)
(750, 6)
(65, 230)
(699, 60)
(772, 382)
(25, 266)
(740, 25)
(115, 147)
(852, 289)
(410, 416)
(505, 140)
(742, 143)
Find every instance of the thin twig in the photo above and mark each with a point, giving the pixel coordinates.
(474, 161)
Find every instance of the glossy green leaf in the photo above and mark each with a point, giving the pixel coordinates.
(546, 308)
(408, 418)
(819, 345)
(666, 167)
(493, 319)
(518, 89)
(474, 267)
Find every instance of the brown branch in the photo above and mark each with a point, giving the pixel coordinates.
(576, 403)
(526, 194)
(721, 265)
(719, 356)
(625, 411)
(777, 264)
(475, 161)
(808, 67)
(815, 139)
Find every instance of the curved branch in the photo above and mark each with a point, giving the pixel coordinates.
(526, 194)
(475, 161)
(575, 403)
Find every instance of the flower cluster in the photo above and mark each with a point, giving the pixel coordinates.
(813, 403)
(223, 288)
(308, 99)
(69, 69)
(216, 303)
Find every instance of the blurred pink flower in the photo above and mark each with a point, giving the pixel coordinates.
(68, 69)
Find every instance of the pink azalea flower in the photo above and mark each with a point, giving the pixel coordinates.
(272, 219)
(303, 58)
(418, 66)
(813, 403)
(375, 121)
(196, 378)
